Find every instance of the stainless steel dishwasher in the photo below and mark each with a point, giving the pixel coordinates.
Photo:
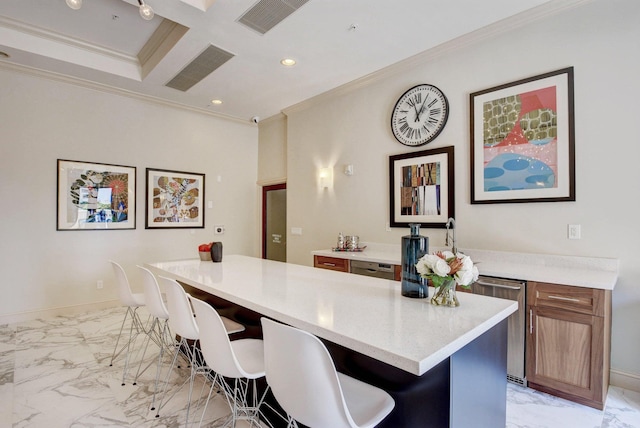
(512, 290)
(378, 270)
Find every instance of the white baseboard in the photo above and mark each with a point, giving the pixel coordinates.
(630, 381)
(63, 310)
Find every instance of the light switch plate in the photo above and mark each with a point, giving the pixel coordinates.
(296, 231)
(573, 231)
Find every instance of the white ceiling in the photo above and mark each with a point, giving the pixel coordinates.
(89, 45)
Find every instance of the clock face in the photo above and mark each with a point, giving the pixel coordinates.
(419, 115)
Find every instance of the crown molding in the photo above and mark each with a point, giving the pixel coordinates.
(55, 37)
(551, 8)
(114, 90)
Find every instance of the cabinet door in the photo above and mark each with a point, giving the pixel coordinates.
(564, 353)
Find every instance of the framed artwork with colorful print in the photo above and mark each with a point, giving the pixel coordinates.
(174, 199)
(95, 196)
(522, 141)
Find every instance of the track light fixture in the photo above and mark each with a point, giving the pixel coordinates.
(74, 4)
(146, 12)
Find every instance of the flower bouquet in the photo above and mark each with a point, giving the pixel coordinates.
(445, 270)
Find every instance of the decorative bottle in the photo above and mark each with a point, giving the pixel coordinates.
(414, 246)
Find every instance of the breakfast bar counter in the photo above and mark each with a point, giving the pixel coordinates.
(369, 326)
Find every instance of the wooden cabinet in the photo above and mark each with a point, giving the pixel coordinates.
(397, 272)
(332, 263)
(342, 265)
(569, 341)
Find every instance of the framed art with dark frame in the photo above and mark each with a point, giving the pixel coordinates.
(174, 199)
(95, 196)
(522, 141)
(421, 188)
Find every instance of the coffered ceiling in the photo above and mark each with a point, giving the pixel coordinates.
(107, 45)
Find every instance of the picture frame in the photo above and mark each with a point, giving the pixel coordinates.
(174, 199)
(95, 196)
(523, 140)
(421, 188)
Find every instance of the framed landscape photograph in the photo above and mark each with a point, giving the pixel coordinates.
(421, 188)
(522, 141)
(95, 196)
(174, 199)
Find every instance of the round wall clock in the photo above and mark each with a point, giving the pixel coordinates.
(419, 115)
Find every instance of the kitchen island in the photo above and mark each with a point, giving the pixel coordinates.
(445, 367)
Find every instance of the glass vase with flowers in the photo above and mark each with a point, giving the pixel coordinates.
(445, 269)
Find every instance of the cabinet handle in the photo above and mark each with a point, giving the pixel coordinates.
(566, 299)
(329, 264)
(530, 321)
(490, 284)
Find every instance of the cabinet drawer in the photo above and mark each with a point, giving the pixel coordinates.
(578, 299)
(333, 263)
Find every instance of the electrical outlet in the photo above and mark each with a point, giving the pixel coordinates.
(573, 231)
(100, 284)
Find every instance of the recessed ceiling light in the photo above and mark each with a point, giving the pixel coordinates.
(216, 102)
(288, 62)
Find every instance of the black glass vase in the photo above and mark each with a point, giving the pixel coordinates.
(414, 246)
(216, 252)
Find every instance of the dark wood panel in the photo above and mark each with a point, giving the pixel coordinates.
(331, 263)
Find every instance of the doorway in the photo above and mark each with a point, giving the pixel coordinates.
(274, 222)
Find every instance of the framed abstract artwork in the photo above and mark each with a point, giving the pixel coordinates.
(95, 196)
(174, 199)
(421, 188)
(522, 141)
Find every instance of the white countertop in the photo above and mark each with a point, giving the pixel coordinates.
(367, 315)
(591, 272)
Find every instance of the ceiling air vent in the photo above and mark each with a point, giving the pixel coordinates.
(266, 14)
(205, 63)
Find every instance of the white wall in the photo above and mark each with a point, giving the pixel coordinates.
(43, 120)
(601, 40)
(272, 150)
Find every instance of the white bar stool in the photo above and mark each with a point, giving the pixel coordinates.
(132, 301)
(182, 323)
(159, 330)
(241, 360)
(304, 381)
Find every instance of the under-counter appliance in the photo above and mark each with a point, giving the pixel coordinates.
(513, 290)
(378, 270)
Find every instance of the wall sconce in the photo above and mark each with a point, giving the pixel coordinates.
(326, 177)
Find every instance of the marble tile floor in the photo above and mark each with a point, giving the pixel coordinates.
(55, 373)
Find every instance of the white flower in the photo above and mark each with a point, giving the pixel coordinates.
(423, 268)
(441, 267)
(431, 260)
(464, 277)
(468, 273)
(448, 255)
